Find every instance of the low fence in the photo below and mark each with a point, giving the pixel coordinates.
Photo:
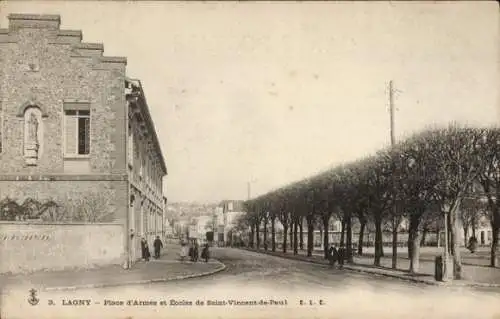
(27, 246)
(368, 239)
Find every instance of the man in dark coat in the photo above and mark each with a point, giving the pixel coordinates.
(158, 245)
(145, 249)
(333, 255)
(191, 251)
(196, 252)
(205, 253)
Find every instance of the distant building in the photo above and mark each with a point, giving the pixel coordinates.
(227, 217)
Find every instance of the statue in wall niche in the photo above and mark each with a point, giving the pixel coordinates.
(33, 129)
(32, 142)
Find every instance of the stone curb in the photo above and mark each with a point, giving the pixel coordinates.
(221, 267)
(379, 273)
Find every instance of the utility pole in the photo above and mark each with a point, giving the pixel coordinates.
(391, 109)
(248, 190)
(394, 206)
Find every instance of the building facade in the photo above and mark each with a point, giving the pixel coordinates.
(75, 131)
(227, 214)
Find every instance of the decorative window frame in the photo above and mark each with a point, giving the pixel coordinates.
(70, 105)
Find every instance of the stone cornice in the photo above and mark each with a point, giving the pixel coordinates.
(89, 46)
(140, 99)
(38, 21)
(113, 59)
(38, 17)
(70, 33)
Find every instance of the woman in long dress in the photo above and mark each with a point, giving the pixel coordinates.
(184, 250)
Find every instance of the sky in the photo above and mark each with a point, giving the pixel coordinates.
(268, 93)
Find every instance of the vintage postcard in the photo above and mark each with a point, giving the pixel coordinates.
(249, 159)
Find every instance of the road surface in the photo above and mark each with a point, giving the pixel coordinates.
(294, 289)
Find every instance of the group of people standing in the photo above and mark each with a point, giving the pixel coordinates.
(337, 255)
(192, 250)
(157, 244)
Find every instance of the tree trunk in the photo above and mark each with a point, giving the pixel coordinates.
(450, 236)
(265, 233)
(361, 236)
(394, 243)
(455, 246)
(295, 239)
(301, 229)
(320, 235)
(258, 236)
(342, 232)
(378, 241)
(252, 235)
(326, 221)
(438, 234)
(424, 234)
(495, 230)
(349, 239)
(414, 244)
(285, 233)
(466, 233)
(291, 235)
(415, 252)
(273, 235)
(310, 235)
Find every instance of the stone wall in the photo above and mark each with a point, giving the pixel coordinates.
(45, 67)
(26, 247)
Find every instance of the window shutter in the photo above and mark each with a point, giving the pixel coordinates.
(70, 134)
(83, 135)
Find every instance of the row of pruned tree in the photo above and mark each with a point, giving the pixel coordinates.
(436, 174)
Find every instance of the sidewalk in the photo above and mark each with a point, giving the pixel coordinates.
(475, 272)
(167, 268)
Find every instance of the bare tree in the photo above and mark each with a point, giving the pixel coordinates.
(93, 208)
(489, 179)
(378, 171)
(456, 155)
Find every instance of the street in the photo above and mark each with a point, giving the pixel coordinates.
(278, 274)
(292, 288)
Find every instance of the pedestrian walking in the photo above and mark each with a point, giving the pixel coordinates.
(205, 254)
(333, 255)
(341, 254)
(184, 250)
(145, 249)
(158, 245)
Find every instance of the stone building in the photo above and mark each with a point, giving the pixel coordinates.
(75, 131)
